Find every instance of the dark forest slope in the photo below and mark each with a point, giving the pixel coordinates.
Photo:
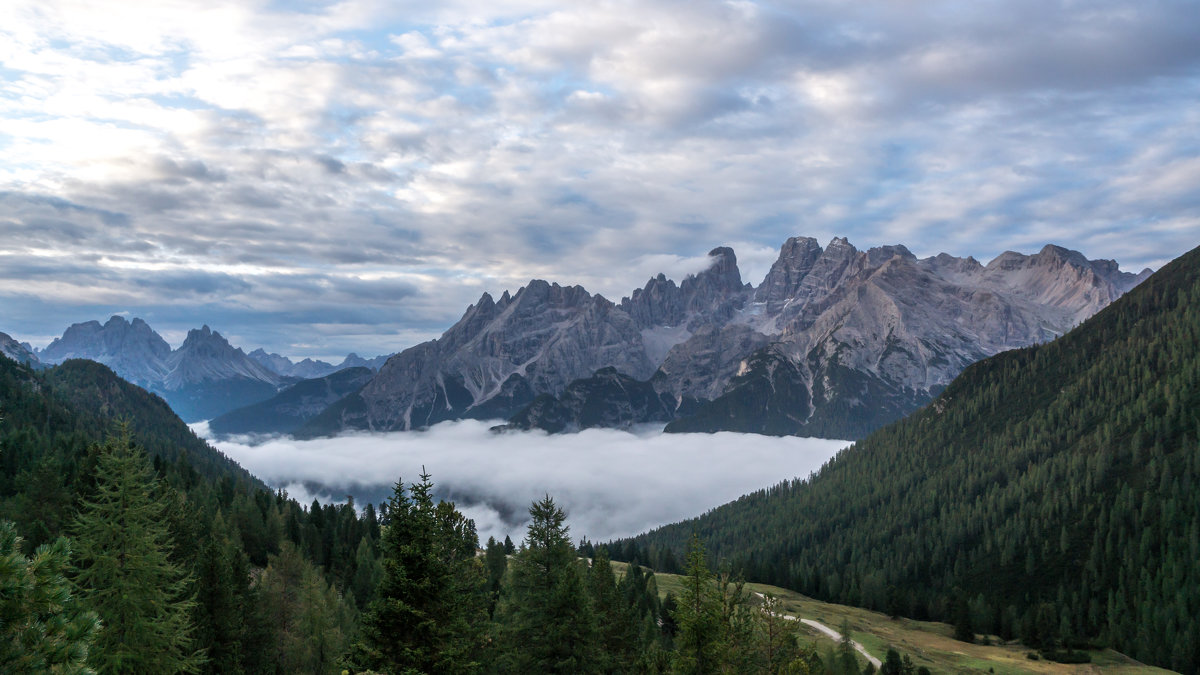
(80, 402)
(1051, 492)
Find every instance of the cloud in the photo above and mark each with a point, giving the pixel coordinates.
(459, 147)
(611, 483)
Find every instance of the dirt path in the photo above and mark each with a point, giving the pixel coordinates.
(834, 635)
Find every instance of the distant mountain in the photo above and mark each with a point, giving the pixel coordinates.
(133, 350)
(207, 377)
(308, 369)
(292, 407)
(1049, 493)
(834, 342)
(353, 360)
(19, 351)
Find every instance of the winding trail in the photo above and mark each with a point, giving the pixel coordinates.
(836, 636)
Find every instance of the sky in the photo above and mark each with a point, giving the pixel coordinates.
(611, 483)
(320, 177)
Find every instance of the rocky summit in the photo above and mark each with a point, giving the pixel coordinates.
(834, 342)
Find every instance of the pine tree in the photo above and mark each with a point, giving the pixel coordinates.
(548, 622)
(125, 572)
(42, 627)
(312, 626)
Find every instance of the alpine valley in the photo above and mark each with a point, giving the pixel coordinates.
(834, 342)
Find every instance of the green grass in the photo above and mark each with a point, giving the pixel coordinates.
(929, 643)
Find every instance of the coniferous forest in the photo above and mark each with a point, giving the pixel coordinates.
(127, 545)
(1050, 494)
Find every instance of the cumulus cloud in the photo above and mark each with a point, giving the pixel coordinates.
(611, 483)
(408, 156)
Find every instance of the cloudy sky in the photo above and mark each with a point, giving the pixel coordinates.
(320, 177)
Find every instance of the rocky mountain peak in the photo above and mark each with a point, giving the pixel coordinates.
(18, 351)
(723, 271)
(133, 350)
(796, 259)
(713, 294)
(880, 254)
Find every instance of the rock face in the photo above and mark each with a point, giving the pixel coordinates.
(607, 399)
(132, 349)
(834, 342)
(19, 352)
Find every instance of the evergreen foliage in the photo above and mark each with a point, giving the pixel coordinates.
(125, 572)
(546, 614)
(42, 626)
(1053, 487)
(431, 607)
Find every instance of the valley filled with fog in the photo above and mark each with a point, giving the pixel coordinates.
(611, 483)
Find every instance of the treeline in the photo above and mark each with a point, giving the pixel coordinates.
(1050, 494)
(123, 594)
(265, 584)
(135, 547)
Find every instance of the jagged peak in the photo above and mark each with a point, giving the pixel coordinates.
(878, 255)
(1066, 255)
(839, 243)
(116, 319)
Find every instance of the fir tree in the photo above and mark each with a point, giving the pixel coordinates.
(222, 600)
(367, 573)
(312, 626)
(126, 573)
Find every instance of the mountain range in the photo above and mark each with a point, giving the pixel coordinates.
(204, 378)
(1049, 493)
(834, 342)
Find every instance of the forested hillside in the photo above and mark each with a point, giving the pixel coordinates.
(1050, 493)
(91, 458)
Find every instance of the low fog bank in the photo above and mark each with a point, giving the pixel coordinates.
(611, 483)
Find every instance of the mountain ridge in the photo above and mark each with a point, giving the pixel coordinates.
(1048, 494)
(868, 336)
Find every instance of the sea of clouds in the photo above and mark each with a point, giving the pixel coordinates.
(611, 483)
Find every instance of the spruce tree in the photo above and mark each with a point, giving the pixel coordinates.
(125, 572)
(699, 636)
(496, 562)
(431, 605)
(548, 622)
(222, 599)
